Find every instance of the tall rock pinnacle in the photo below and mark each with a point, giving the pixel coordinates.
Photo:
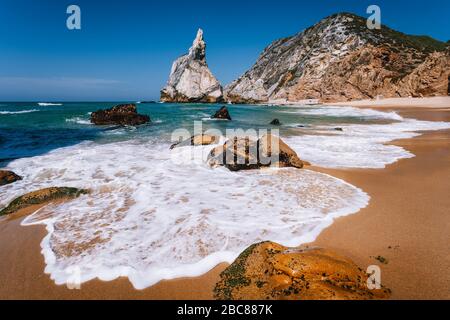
(190, 79)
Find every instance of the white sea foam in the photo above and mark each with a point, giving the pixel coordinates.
(45, 104)
(360, 145)
(149, 218)
(342, 111)
(78, 120)
(212, 119)
(18, 112)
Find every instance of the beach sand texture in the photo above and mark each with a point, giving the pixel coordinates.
(406, 222)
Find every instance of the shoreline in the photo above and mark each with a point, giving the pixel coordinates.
(427, 102)
(406, 220)
(408, 209)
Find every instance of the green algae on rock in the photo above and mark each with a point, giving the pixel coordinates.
(42, 196)
(268, 270)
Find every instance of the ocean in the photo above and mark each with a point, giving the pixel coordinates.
(158, 214)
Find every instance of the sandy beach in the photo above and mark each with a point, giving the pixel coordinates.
(401, 103)
(406, 222)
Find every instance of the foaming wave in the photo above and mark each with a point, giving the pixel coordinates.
(341, 111)
(149, 218)
(359, 145)
(78, 120)
(213, 119)
(18, 112)
(45, 104)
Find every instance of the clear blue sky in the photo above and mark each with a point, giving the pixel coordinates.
(125, 49)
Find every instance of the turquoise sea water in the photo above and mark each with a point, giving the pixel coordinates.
(28, 129)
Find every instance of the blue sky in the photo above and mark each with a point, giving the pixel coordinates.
(125, 49)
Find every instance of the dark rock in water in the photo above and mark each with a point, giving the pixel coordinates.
(123, 114)
(246, 154)
(275, 122)
(42, 196)
(338, 129)
(222, 113)
(7, 177)
(198, 140)
(268, 270)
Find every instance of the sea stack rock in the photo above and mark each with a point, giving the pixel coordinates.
(123, 114)
(222, 113)
(190, 79)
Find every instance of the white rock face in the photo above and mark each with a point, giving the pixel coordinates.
(190, 78)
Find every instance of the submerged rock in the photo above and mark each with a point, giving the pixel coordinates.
(42, 196)
(246, 154)
(222, 113)
(268, 270)
(123, 114)
(275, 122)
(190, 79)
(7, 177)
(198, 140)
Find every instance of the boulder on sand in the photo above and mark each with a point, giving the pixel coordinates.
(245, 154)
(268, 270)
(236, 154)
(7, 177)
(42, 196)
(271, 145)
(198, 140)
(123, 114)
(222, 113)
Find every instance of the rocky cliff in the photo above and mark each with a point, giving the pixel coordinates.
(340, 59)
(190, 78)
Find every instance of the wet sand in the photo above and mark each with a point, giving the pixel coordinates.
(401, 103)
(407, 222)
